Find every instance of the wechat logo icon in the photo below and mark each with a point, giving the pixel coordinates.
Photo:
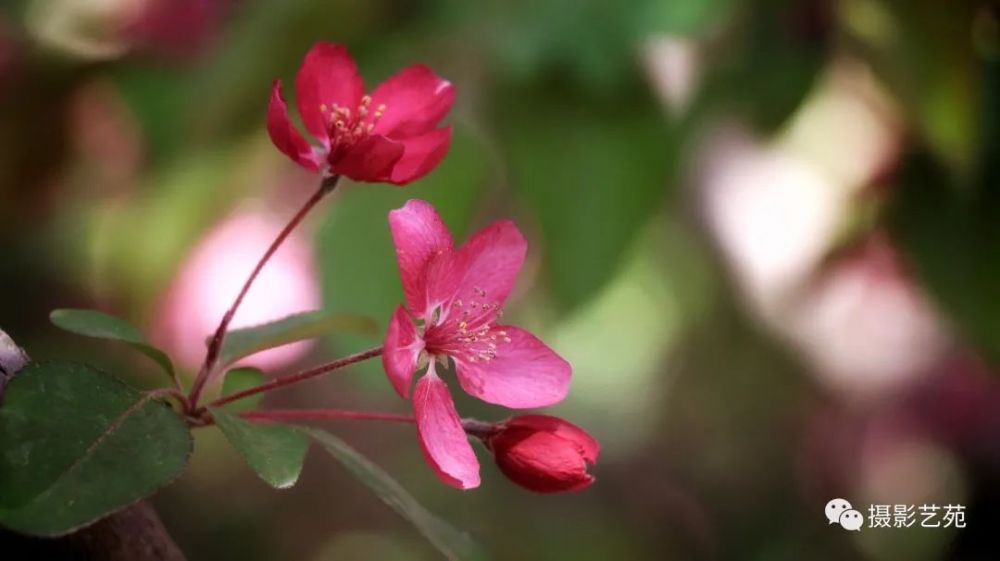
(839, 511)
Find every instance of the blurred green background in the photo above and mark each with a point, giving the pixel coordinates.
(766, 233)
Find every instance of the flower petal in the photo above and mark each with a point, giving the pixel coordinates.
(442, 280)
(370, 160)
(488, 264)
(588, 445)
(421, 155)
(283, 133)
(544, 463)
(442, 437)
(400, 351)
(481, 273)
(327, 77)
(418, 234)
(415, 100)
(524, 373)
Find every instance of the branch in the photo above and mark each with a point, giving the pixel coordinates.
(133, 534)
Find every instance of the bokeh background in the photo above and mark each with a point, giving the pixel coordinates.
(766, 233)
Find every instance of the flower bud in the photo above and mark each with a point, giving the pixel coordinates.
(542, 453)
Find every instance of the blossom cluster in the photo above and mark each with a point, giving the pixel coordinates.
(454, 295)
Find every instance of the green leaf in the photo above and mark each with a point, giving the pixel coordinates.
(92, 323)
(929, 64)
(239, 379)
(950, 234)
(274, 451)
(539, 40)
(772, 62)
(946, 210)
(681, 18)
(307, 325)
(77, 444)
(592, 196)
(453, 544)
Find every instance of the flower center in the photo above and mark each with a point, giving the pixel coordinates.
(348, 127)
(466, 329)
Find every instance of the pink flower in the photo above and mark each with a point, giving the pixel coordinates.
(454, 298)
(544, 454)
(389, 136)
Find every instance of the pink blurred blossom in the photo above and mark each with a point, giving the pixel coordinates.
(212, 274)
(778, 210)
(175, 28)
(675, 68)
(865, 324)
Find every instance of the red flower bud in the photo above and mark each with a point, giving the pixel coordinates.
(542, 453)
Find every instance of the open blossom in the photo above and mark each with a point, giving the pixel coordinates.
(543, 453)
(388, 136)
(453, 302)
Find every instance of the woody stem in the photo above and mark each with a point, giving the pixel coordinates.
(325, 414)
(473, 427)
(301, 376)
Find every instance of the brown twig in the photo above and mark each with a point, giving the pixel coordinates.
(301, 376)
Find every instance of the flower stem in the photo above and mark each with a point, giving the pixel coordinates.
(301, 376)
(324, 414)
(176, 393)
(215, 345)
(479, 429)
